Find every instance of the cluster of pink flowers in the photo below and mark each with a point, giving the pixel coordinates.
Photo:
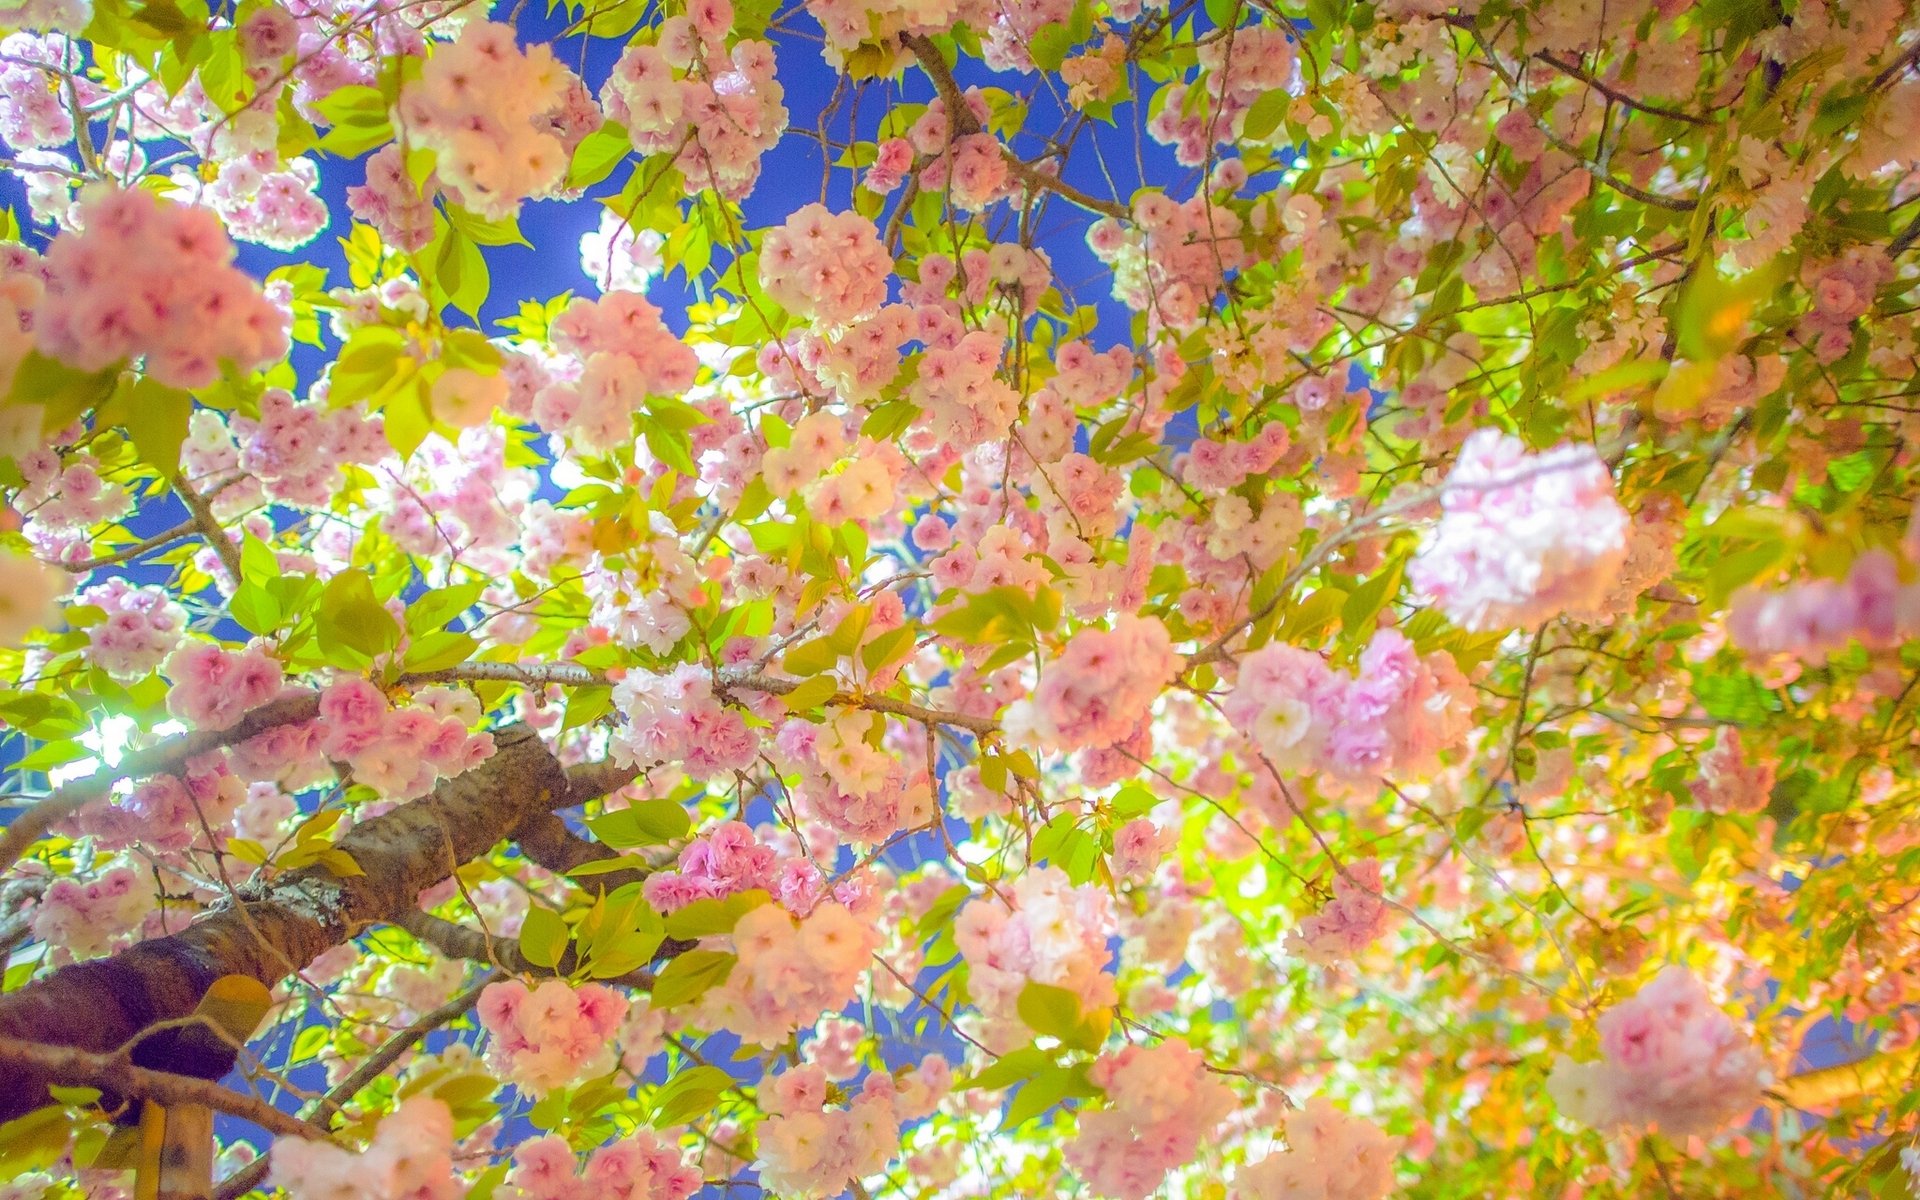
(1354, 919)
(1172, 259)
(1163, 1102)
(1395, 713)
(552, 1036)
(626, 354)
(730, 858)
(676, 718)
(810, 1149)
(64, 500)
(1812, 620)
(1329, 1156)
(1221, 465)
(33, 110)
(790, 971)
(83, 920)
(1522, 537)
(295, 450)
(493, 115)
(1843, 290)
(849, 23)
(861, 791)
(716, 110)
(392, 202)
(1048, 931)
(292, 453)
(213, 687)
(825, 267)
(168, 813)
(1138, 847)
(1669, 1057)
(959, 385)
(148, 278)
(141, 626)
(410, 1157)
(1258, 59)
(400, 752)
(263, 200)
(641, 1167)
(1101, 688)
(1727, 782)
(971, 170)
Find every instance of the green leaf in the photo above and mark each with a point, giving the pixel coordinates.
(432, 610)
(155, 416)
(359, 116)
(888, 421)
(255, 608)
(691, 976)
(366, 364)
(66, 392)
(607, 866)
(353, 626)
(811, 694)
(598, 154)
(1051, 1086)
(439, 650)
(462, 272)
(1363, 605)
(672, 447)
(258, 562)
(1015, 1066)
(504, 232)
(543, 937)
(811, 657)
(648, 823)
(1266, 114)
(689, 1093)
(587, 705)
(705, 918)
(1056, 1012)
(1049, 46)
(889, 647)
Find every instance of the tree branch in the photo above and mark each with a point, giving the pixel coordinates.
(960, 123)
(1593, 167)
(546, 840)
(774, 685)
(164, 537)
(166, 758)
(455, 940)
(1575, 71)
(209, 527)
(273, 929)
(116, 1076)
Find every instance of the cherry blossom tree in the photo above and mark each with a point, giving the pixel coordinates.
(1230, 599)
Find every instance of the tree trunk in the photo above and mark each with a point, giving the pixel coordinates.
(274, 930)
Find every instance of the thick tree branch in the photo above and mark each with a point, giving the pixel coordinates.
(116, 1076)
(546, 840)
(165, 758)
(277, 928)
(170, 756)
